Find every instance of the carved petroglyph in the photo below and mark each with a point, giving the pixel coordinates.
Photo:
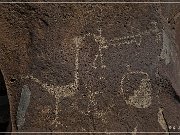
(77, 41)
(158, 34)
(23, 106)
(130, 39)
(126, 40)
(158, 37)
(101, 115)
(92, 107)
(102, 44)
(94, 62)
(162, 121)
(62, 91)
(136, 38)
(91, 97)
(142, 96)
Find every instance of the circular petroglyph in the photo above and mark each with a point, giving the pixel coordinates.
(136, 89)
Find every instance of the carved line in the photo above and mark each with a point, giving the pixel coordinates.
(145, 88)
(62, 91)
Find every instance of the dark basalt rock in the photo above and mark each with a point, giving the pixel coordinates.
(92, 67)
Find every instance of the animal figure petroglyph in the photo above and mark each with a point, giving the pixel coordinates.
(142, 96)
(62, 91)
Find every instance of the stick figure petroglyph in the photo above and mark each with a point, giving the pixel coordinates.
(102, 44)
(62, 91)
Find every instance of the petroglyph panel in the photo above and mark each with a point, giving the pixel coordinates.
(73, 58)
(93, 65)
(87, 95)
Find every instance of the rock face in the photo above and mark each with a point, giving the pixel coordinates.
(91, 67)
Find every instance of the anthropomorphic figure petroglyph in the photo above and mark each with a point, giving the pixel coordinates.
(102, 44)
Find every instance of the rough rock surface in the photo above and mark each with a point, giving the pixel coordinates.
(91, 67)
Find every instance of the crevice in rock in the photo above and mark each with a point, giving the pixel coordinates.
(5, 122)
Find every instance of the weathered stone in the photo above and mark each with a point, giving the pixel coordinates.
(92, 67)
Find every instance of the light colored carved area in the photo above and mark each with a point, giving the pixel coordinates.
(91, 97)
(94, 62)
(57, 91)
(136, 38)
(126, 40)
(157, 32)
(101, 115)
(102, 44)
(142, 96)
(62, 91)
(162, 121)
